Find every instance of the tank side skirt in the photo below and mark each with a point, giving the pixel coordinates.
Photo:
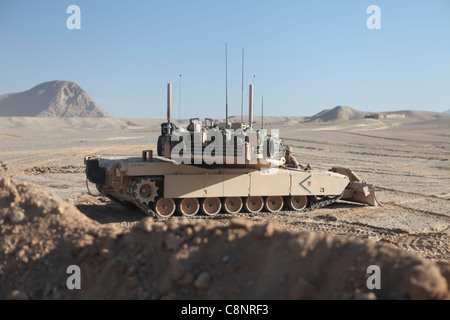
(253, 184)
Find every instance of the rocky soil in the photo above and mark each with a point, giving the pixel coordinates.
(42, 236)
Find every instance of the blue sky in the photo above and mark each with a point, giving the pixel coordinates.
(303, 56)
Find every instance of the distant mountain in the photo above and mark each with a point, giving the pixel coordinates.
(51, 99)
(344, 113)
(339, 113)
(447, 112)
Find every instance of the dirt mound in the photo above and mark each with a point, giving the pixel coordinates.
(191, 259)
(51, 99)
(3, 168)
(339, 113)
(55, 169)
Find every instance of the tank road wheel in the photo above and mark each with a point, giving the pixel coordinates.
(211, 206)
(254, 204)
(233, 204)
(165, 207)
(274, 203)
(188, 207)
(297, 203)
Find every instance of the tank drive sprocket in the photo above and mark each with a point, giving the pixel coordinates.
(143, 190)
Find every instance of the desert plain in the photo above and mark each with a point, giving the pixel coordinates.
(408, 159)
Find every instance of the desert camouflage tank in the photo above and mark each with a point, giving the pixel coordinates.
(226, 167)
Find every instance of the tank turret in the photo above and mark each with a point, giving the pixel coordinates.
(204, 142)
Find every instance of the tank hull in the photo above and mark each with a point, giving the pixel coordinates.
(145, 182)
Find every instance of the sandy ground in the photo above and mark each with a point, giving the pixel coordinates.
(408, 160)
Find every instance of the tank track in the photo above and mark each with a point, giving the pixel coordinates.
(322, 203)
(316, 205)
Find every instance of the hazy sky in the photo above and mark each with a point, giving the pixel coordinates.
(305, 55)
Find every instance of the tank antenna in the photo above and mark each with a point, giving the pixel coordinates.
(242, 89)
(254, 84)
(262, 112)
(226, 86)
(250, 107)
(179, 101)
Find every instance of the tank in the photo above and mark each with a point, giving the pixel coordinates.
(214, 168)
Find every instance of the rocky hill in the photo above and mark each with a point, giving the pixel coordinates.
(339, 113)
(51, 99)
